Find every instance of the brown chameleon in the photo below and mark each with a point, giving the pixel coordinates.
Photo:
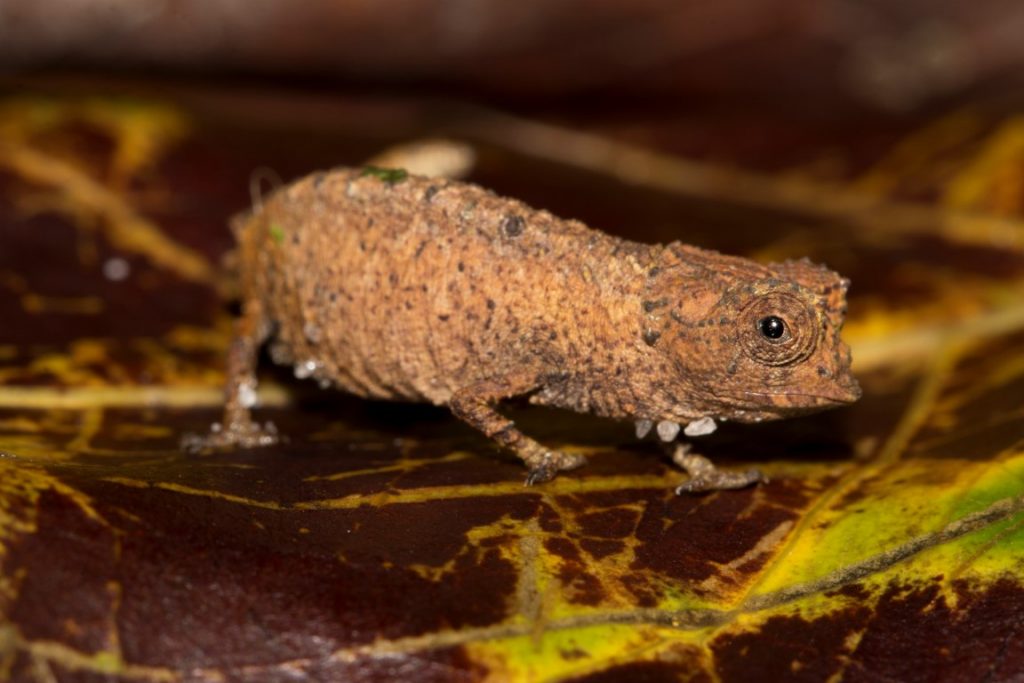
(394, 286)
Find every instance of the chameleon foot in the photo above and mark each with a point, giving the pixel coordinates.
(551, 464)
(239, 434)
(704, 476)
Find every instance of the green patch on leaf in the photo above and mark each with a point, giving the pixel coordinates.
(388, 175)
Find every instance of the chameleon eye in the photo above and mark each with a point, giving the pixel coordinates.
(772, 327)
(779, 328)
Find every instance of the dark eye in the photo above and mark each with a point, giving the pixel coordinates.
(779, 328)
(772, 327)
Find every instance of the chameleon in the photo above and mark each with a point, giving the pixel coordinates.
(395, 286)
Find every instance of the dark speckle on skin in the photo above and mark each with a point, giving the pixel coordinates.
(651, 305)
(512, 225)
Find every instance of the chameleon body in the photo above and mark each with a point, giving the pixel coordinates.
(394, 286)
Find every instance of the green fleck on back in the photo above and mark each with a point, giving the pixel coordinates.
(388, 175)
(277, 233)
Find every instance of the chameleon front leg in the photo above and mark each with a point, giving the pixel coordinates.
(475, 405)
(704, 476)
(237, 429)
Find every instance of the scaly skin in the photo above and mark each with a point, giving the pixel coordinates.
(409, 288)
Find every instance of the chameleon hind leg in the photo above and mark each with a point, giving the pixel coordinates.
(237, 428)
(475, 406)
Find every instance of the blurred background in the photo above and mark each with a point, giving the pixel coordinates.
(888, 55)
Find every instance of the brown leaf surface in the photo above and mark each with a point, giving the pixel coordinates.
(390, 542)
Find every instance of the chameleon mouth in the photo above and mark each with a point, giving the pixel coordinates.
(844, 393)
(839, 394)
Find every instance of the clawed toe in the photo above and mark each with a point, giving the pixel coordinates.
(551, 464)
(719, 480)
(193, 443)
(237, 435)
(539, 475)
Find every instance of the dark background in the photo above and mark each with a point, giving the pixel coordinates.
(835, 55)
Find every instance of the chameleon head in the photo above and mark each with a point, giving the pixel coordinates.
(760, 342)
